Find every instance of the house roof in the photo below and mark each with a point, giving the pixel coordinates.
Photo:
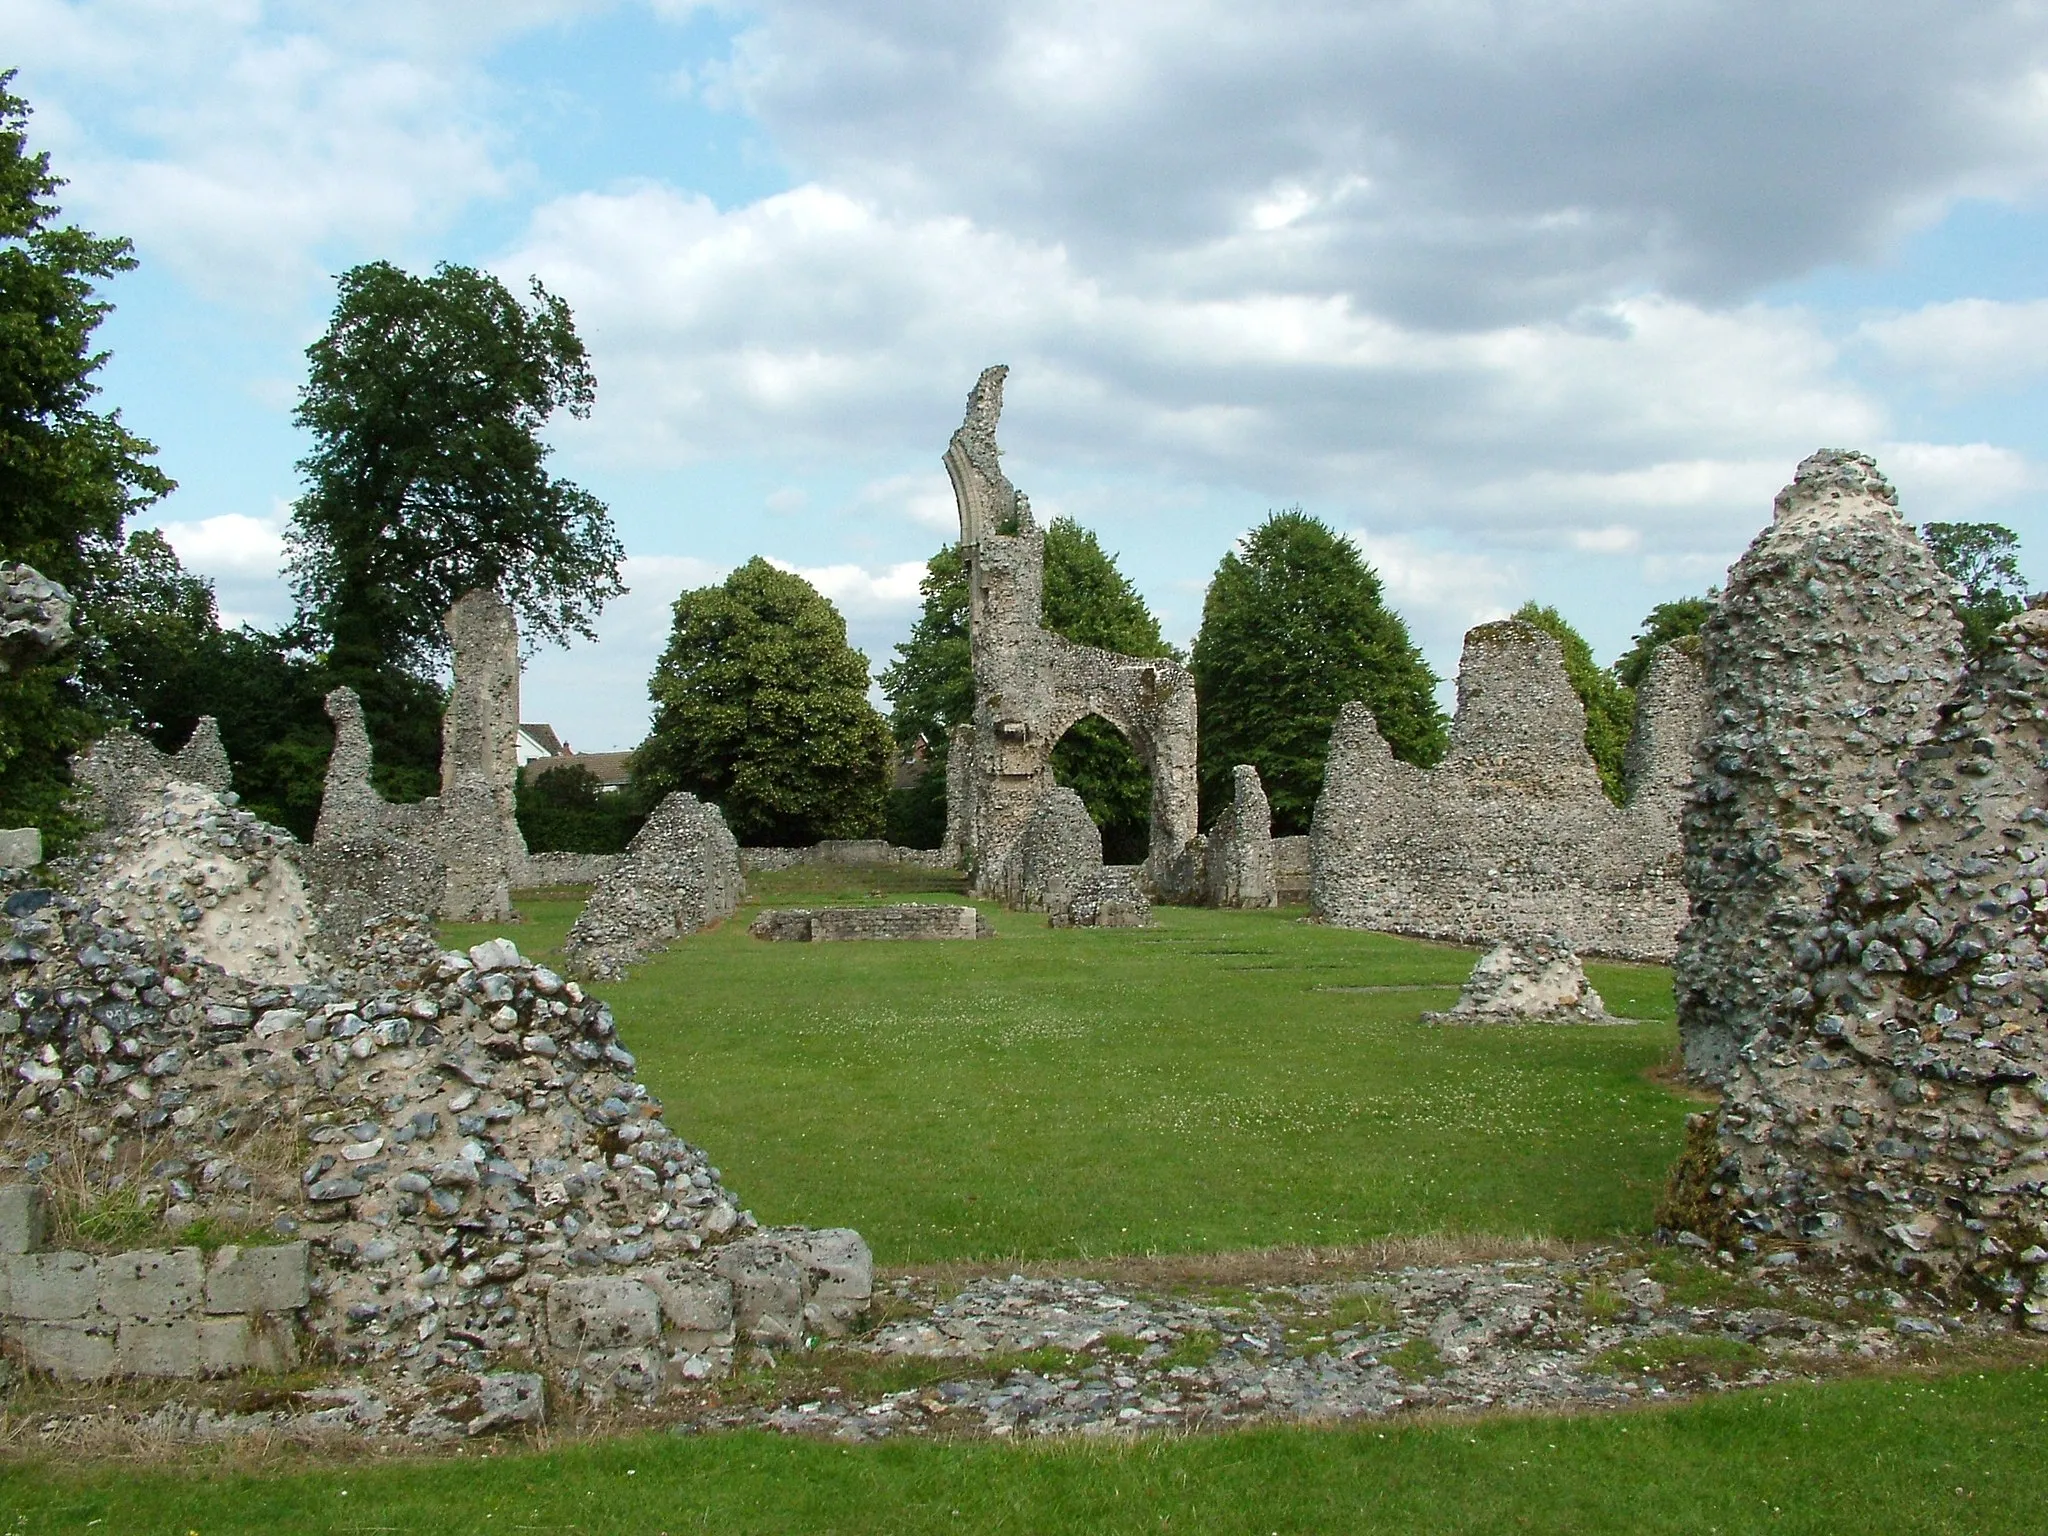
(544, 737)
(612, 768)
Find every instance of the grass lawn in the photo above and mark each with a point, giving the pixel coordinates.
(1227, 1080)
(1949, 1454)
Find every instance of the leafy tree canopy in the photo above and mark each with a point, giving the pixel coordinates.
(930, 687)
(761, 706)
(1294, 626)
(1983, 560)
(428, 478)
(1610, 704)
(1678, 619)
(568, 810)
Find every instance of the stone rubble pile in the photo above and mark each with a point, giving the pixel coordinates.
(1535, 980)
(460, 1138)
(680, 873)
(1865, 973)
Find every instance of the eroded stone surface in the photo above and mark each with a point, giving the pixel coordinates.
(1511, 833)
(124, 776)
(35, 618)
(1527, 981)
(681, 872)
(1031, 685)
(1239, 854)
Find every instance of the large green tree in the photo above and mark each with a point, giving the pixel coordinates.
(70, 474)
(930, 687)
(761, 706)
(1679, 619)
(1610, 703)
(1982, 559)
(1295, 625)
(425, 400)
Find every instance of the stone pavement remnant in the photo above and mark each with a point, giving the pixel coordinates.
(899, 920)
(1864, 975)
(1534, 980)
(1031, 686)
(1511, 833)
(1239, 856)
(680, 873)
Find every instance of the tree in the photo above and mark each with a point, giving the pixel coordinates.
(1610, 704)
(761, 706)
(69, 475)
(568, 810)
(930, 687)
(1679, 619)
(1983, 560)
(428, 479)
(1294, 626)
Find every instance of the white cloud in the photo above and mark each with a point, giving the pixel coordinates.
(923, 499)
(860, 593)
(1967, 343)
(243, 556)
(1440, 592)
(1939, 481)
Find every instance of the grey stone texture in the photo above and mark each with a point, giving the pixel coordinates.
(1291, 870)
(35, 618)
(1114, 897)
(1832, 648)
(1056, 852)
(1511, 834)
(681, 873)
(20, 847)
(1239, 856)
(470, 828)
(21, 1218)
(1031, 685)
(556, 868)
(1533, 980)
(153, 1312)
(1864, 975)
(846, 853)
(124, 776)
(354, 881)
(908, 920)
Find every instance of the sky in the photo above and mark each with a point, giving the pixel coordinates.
(1541, 299)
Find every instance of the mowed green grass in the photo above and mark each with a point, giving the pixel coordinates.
(1952, 1454)
(1226, 1080)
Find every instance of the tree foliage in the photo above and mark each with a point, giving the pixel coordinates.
(1610, 703)
(1982, 559)
(1293, 627)
(930, 687)
(567, 810)
(428, 479)
(761, 706)
(1679, 619)
(70, 475)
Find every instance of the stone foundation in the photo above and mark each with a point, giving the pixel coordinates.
(845, 853)
(903, 920)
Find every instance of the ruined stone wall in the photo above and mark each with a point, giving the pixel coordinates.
(1239, 856)
(907, 920)
(681, 872)
(1058, 852)
(1511, 834)
(124, 776)
(1031, 686)
(557, 868)
(1865, 974)
(863, 853)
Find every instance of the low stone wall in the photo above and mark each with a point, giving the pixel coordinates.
(681, 873)
(851, 853)
(1290, 870)
(903, 920)
(569, 868)
(151, 1312)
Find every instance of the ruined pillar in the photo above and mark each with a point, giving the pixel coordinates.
(1240, 852)
(480, 838)
(1833, 643)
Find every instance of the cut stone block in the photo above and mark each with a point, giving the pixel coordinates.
(152, 1283)
(591, 1316)
(838, 1275)
(767, 1290)
(21, 1210)
(508, 1398)
(69, 1351)
(695, 1305)
(51, 1286)
(258, 1279)
(201, 1346)
(20, 847)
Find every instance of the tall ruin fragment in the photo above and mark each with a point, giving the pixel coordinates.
(1864, 975)
(1512, 835)
(1031, 685)
(470, 831)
